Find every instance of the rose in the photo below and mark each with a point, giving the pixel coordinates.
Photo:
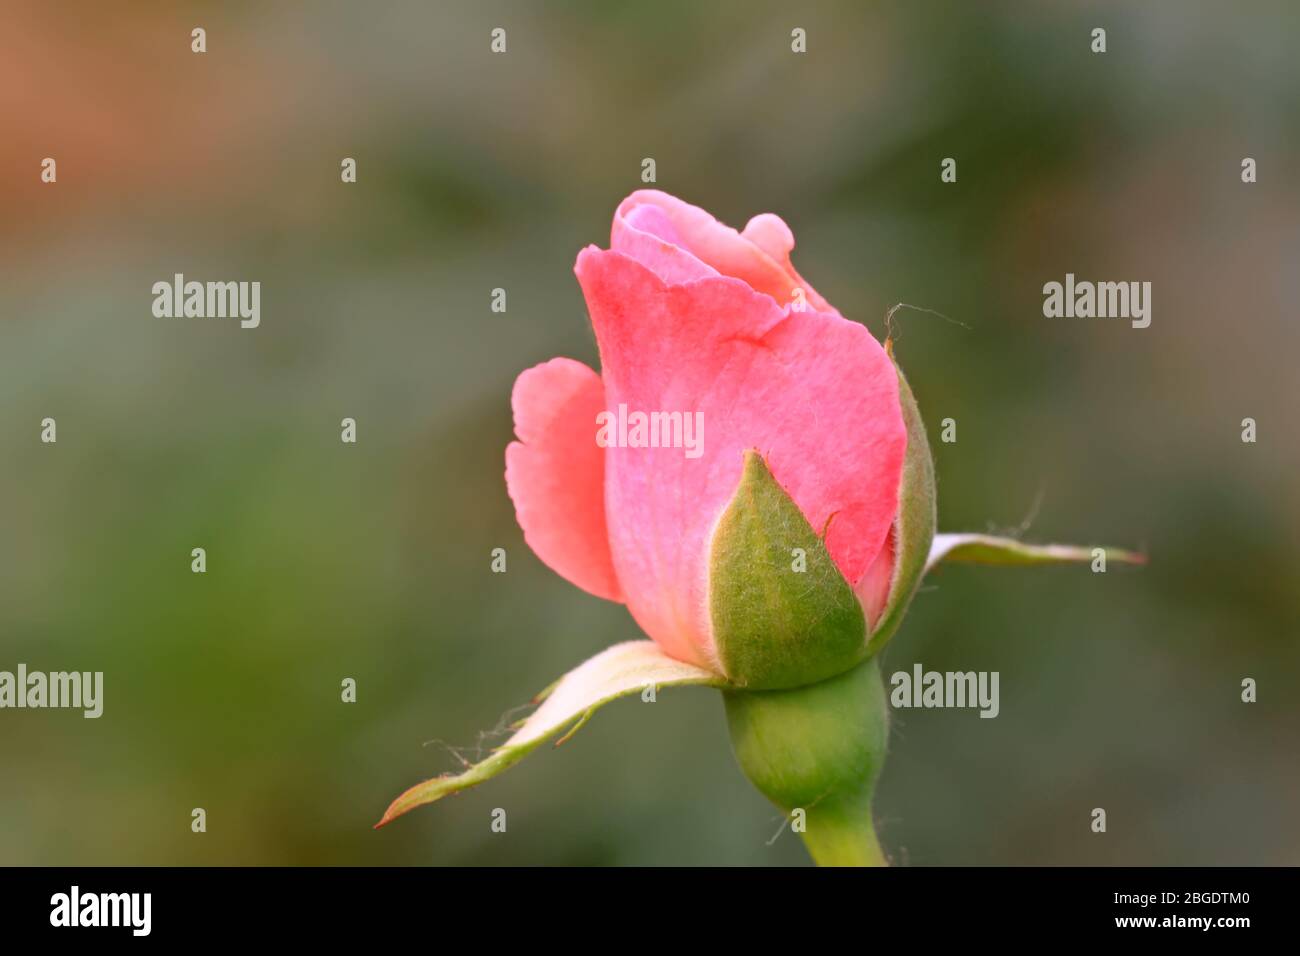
(692, 317)
(771, 561)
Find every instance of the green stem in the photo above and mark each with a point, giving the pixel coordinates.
(818, 749)
(842, 835)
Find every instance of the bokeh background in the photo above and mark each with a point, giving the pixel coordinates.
(371, 561)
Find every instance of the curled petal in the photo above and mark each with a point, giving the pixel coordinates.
(688, 243)
(555, 473)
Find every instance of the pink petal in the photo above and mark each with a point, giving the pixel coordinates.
(815, 394)
(645, 233)
(873, 587)
(679, 242)
(555, 473)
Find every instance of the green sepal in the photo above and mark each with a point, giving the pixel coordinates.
(775, 626)
(626, 668)
(990, 549)
(914, 527)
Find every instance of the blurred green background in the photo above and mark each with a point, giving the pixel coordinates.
(371, 561)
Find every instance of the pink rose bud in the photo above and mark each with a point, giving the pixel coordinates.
(781, 547)
(750, 475)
